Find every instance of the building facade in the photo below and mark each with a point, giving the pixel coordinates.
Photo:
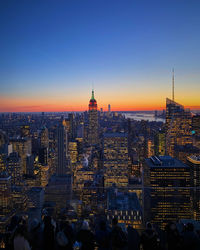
(178, 126)
(115, 159)
(194, 163)
(93, 136)
(166, 183)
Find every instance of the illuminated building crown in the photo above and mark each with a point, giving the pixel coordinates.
(93, 102)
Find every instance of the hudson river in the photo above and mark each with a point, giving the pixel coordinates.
(143, 116)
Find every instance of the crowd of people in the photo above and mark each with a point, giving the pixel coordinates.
(61, 235)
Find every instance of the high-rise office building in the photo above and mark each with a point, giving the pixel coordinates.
(44, 174)
(72, 126)
(30, 165)
(14, 168)
(166, 190)
(61, 148)
(73, 151)
(196, 125)
(58, 190)
(43, 156)
(194, 163)
(115, 159)
(178, 126)
(5, 193)
(23, 147)
(44, 138)
(93, 137)
(6, 206)
(150, 147)
(159, 143)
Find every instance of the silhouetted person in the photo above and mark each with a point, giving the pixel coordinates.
(133, 239)
(67, 230)
(190, 239)
(36, 235)
(118, 237)
(85, 237)
(10, 232)
(48, 235)
(173, 237)
(149, 238)
(20, 239)
(103, 236)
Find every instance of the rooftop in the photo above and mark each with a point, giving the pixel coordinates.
(164, 161)
(194, 159)
(110, 135)
(123, 201)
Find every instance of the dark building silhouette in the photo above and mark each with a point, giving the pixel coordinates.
(59, 188)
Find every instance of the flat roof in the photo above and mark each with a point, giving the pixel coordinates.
(164, 161)
(110, 135)
(123, 201)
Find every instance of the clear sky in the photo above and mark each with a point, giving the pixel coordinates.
(53, 51)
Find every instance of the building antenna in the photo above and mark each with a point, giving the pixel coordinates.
(173, 84)
(92, 90)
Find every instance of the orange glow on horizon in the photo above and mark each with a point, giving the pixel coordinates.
(8, 104)
(82, 109)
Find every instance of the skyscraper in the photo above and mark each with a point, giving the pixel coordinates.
(58, 190)
(93, 136)
(23, 147)
(6, 205)
(14, 168)
(61, 147)
(178, 126)
(73, 151)
(72, 126)
(109, 108)
(166, 190)
(194, 163)
(159, 143)
(115, 157)
(44, 137)
(196, 125)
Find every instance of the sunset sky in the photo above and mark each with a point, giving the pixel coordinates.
(52, 53)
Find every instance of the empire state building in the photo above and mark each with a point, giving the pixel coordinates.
(93, 137)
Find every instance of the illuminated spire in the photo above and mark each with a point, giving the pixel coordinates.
(173, 84)
(92, 95)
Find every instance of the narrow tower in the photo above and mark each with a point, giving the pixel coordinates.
(61, 150)
(93, 121)
(173, 84)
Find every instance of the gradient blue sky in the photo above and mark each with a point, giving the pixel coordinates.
(52, 52)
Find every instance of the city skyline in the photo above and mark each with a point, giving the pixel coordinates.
(99, 124)
(54, 54)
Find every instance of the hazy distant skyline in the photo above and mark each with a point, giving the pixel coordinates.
(54, 52)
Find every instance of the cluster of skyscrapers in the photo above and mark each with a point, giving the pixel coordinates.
(100, 163)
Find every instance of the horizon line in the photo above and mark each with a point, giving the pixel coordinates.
(82, 111)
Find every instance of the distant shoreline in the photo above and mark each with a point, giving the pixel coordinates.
(57, 112)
